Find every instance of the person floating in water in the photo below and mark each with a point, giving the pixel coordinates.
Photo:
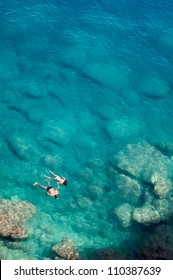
(58, 179)
(50, 190)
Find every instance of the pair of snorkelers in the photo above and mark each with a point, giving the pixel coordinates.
(50, 190)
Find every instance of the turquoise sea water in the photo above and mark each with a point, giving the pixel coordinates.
(79, 81)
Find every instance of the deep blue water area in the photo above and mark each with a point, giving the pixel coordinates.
(86, 91)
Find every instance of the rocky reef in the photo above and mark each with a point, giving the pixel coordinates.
(155, 88)
(65, 250)
(142, 175)
(13, 218)
(146, 214)
(124, 214)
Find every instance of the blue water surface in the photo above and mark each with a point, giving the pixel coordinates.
(79, 81)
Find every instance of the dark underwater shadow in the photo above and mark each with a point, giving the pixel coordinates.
(153, 242)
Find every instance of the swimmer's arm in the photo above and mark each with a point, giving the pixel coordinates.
(50, 178)
(52, 173)
(55, 179)
(55, 175)
(48, 194)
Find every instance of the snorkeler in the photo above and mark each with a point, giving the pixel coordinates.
(50, 190)
(60, 181)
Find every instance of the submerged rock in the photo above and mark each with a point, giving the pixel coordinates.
(21, 146)
(13, 217)
(129, 189)
(164, 207)
(146, 214)
(7, 253)
(144, 179)
(155, 88)
(141, 161)
(161, 185)
(146, 164)
(34, 91)
(52, 161)
(124, 128)
(110, 76)
(124, 214)
(165, 147)
(65, 250)
(58, 132)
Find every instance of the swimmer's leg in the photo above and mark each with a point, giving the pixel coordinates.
(41, 186)
(56, 177)
(48, 177)
(48, 182)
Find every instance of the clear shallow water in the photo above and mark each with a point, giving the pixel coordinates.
(79, 81)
